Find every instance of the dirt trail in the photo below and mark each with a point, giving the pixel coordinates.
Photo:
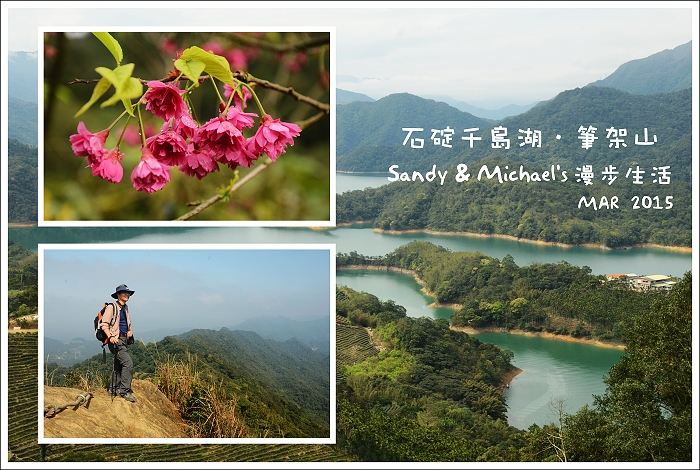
(152, 416)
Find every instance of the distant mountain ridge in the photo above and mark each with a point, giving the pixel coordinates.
(23, 75)
(313, 333)
(380, 123)
(492, 114)
(22, 121)
(664, 72)
(345, 97)
(290, 368)
(370, 136)
(69, 352)
(283, 387)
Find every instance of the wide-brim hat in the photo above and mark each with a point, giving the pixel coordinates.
(122, 288)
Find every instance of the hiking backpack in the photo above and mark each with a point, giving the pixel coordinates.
(99, 332)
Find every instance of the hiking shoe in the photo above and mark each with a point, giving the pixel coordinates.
(128, 396)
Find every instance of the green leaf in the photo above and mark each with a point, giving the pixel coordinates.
(225, 191)
(100, 89)
(128, 106)
(118, 76)
(192, 69)
(112, 45)
(214, 65)
(133, 89)
(126, 86)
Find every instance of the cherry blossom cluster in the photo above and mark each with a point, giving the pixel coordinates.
(182, 142)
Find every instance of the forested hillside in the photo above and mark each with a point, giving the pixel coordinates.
(646, 411)
(431, 394)
(280, 389)
(371, 126)
(22, 431)
(370, 138)
(22, 283)
(617, 215)
(411, 389)
(22, 121)
(664, 72)
(345, 96)
(22, 185)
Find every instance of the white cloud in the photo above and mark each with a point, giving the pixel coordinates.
(489, 57)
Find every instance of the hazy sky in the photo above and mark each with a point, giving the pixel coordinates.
(200, 286)
(488, 57)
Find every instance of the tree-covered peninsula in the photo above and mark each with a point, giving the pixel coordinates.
(412, 389)
(557, 298)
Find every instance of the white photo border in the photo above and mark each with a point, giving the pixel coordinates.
(330, 248)
(41, 216)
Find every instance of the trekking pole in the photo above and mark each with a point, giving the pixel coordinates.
(112, 391)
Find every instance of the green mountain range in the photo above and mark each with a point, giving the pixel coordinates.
(539, 192)
(22, 185)
(22, 121)
(664, 72)
(345, 96)
(362, 125)
(666, 116)
(281, 387)
(621, 215)
(313, 333)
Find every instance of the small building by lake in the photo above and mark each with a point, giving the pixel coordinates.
(647, 282)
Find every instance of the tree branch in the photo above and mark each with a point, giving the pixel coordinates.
(238, 75)
(245, 77)
(214, 199)
(271, 46)
(248, 78)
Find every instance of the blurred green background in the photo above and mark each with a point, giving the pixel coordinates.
(294, 188)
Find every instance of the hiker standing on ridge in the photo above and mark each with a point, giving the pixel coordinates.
(119, 336)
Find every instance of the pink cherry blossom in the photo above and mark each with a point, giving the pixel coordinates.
(87, 144)
(237, 101)
(109, 167)
(240, 119)
(168, 147)
(150, 175)
(165, 100)
(185, 125)
(198, 163)
(272, 137)
(224, 140)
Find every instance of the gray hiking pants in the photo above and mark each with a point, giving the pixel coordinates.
(123, 367)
